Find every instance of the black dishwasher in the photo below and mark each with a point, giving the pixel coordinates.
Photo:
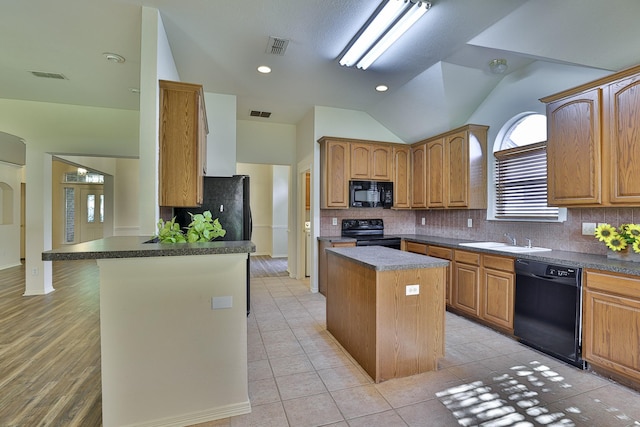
(548, 309)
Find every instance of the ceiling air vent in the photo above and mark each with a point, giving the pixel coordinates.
(277, 46)
(255, 113)
(47, 75)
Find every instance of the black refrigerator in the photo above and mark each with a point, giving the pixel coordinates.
(228, 200)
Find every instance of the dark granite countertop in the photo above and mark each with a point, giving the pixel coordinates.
(380, 258)
(135, 247)
(570, 259)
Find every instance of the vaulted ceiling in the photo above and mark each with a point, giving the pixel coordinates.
(438, 70)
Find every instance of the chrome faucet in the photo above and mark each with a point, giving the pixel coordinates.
(528, 241)
(511, 239)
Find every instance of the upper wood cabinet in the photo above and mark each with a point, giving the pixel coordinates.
(592, 141)
(419, 175)
(371, 161)
(401, 177)
(455, 175)
(334, 171)
(182, 144)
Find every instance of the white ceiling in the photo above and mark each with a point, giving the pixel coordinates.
(439, 69)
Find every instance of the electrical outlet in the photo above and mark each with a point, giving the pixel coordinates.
(588, 228)
(334, 221)
(423, 221)
(469, 222)
(413, 289)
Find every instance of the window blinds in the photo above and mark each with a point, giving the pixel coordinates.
(521, 183)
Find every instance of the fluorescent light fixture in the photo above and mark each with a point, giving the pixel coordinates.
(390, 21)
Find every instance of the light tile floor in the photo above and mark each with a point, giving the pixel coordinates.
(299, 376)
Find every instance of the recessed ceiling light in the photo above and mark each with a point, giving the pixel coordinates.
(113, 57)
(264, 69)
(382, 88)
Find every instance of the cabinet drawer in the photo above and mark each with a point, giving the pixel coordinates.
(612, 283)
(467, 257)
(498, 263)
(418, 248)
(438, 252)
(342, 244)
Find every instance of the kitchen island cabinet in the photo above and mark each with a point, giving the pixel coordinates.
(386, 308)
(611, 324)
(173, 329)
(323, 244)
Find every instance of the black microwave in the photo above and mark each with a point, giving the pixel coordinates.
(370, 194)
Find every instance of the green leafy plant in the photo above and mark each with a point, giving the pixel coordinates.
(203, 228)
(169, 232)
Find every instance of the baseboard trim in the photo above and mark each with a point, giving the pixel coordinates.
(198, 417)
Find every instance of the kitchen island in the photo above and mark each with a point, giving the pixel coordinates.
(173, 329)
(386, 308)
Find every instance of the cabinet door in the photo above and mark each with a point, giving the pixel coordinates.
(182, 144)
(611, 322)
(335, 181)
(622, 145)
(436, 174)
(574, 149)
(498, 294)
(466, 292)
(380, 162)
(456, 171)
(419, 176)
(401, 177)
(360, 163)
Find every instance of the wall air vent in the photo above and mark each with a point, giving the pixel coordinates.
(47, 75)
(277, 46)
(255, 113)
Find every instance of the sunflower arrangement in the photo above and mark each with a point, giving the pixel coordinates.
(617, 239)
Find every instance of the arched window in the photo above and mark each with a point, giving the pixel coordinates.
(521, 171)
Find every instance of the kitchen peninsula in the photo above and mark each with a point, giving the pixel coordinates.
(386, 308)
(173, 329)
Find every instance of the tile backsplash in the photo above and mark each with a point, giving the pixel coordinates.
(566, 236)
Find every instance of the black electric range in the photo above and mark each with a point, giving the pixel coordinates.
(368, 232)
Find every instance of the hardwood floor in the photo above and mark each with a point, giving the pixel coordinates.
(50, 349)
(50, 346)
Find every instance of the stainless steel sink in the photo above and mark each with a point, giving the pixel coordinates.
(503, 247)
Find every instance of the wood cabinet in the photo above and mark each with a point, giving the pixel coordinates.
(419, 176)
(401, 177)
(371, 161)
(182, 144)
(611, 323)
(334, 170)
(322, 261)
(592, 143)
(389, 333)
(416, 248)
(498, 291)
(450, 169)
(444, 253)
(466, 282)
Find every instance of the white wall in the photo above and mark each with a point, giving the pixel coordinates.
(261, 202)
(221, 141)
(126, 194)
(280, 222)
(10, 179)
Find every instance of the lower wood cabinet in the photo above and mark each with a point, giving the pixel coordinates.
(498, 291)
(322, 261)
(481, 286)
(466, 282)
(611, 323)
